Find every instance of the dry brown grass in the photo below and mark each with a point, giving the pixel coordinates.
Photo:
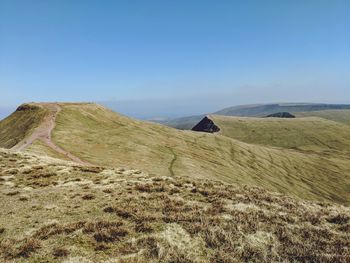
(19, 248)
(157, 219)
(60, 252)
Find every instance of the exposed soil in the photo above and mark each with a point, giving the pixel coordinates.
(43, 133)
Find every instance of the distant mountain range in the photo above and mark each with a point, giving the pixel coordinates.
(256, 110)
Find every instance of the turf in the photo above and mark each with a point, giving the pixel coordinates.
(311, 133)
(56, 211)
(342, 116)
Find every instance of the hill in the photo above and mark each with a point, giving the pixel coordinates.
(310, 133)
(280, 115)
(342, 116)
(59, 211)
(20, 124)
(93, 135)
(262, 110)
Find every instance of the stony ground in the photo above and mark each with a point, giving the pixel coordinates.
(56, 211)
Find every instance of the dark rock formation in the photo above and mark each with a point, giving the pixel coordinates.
(281, 115)
(27, 107)
(206, 125)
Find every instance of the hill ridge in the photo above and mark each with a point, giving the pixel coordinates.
(100, 136)
(43, 131)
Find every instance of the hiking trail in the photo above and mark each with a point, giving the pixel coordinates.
(43, 133)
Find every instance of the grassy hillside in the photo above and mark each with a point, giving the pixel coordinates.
(100, 136)
(39, 147)
(20, 124)
(304, 133)
(342, 116)
(55, 211)
(328, 111)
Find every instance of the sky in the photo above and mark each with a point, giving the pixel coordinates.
(171, 58)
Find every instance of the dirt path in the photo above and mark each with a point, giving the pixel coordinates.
(43, 132)
(173, 160)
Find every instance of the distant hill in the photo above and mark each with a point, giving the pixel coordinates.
(258, 110)
(90, 133)
(281, 115)
(266, 109)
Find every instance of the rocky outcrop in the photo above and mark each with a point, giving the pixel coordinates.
(27, 107)
(281, 115)
(206, 125)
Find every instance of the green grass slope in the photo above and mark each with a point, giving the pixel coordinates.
(336, 112)
(342, 116)
(56, 211)
(310, 133)
(20, 124)
(102, 137)
(40, 148)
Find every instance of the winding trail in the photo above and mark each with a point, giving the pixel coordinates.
(43, 133)
(173, 160)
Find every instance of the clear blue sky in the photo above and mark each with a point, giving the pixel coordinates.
(219, 52)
